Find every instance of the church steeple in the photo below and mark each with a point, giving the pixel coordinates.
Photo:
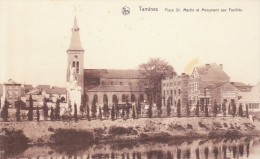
(75, 55)
(75, 43)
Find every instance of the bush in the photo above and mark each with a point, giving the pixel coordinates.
(72, 136)
(13, 139)
(217, 125)
(114, 130)
(203, 126)
(173, 126)
(189, 126)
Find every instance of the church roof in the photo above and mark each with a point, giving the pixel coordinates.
(75, 43)
(212, 72)
(112, 73)
(56, 90)
(113, 88)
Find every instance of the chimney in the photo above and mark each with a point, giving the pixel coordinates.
(221, 66)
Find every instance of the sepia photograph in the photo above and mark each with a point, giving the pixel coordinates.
(122, 79)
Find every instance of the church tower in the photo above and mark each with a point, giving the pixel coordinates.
(75, 55)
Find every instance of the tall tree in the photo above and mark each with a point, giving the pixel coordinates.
(133, 110)
(153, 72)
(138, 109)
(234, 108)
(188, 109)
(75, 113)
(215, 109)
(57, 110)
(83, 103)
(52, 114)
(115, 103)
(38, 114)
(106, 110)
(206, 110)
(88, 115)
(30, 112)
(197, 111)
(150, 112)
(169, 107)
(247, 113)
(18, 110)
(113, 113)
(240, 110)
(179, 109)
(224, 109)
(4, 111)
(94, 107)
(45, 109)
(100, 113)
(123, 112)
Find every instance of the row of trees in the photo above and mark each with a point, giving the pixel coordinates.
(115, 113)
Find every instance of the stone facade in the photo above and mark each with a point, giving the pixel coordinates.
(11, 92)
(102, 84)
(209, 83)
(175, 89)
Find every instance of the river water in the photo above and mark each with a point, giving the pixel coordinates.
(243, 148)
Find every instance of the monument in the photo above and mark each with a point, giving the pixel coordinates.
(73, 90)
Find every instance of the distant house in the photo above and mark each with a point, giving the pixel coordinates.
(175, 90)
(242, 86)
(11, 92)
(37, 100)
(26, 88)
(43, 87)
(251, 99)
(56, 93)
(209, 83)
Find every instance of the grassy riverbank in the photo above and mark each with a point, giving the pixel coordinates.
(158, 129)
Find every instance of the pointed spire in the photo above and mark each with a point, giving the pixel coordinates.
(75, 26)
(75, 43)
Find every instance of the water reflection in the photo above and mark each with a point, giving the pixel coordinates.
(199, 149)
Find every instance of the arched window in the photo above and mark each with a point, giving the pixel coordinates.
(141, 98)
(179, 91)
(115, 100)
(121, 83)
(87, 98)
(111, 83)
(77, 67)
(95, 98)
(123, 98)
(133, 98)
(105, 99)
(73, 64)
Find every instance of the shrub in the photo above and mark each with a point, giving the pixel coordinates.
(217, 125)
(13, 139)
(225, 125)
(203, 126)
(173, 126)
(114, 130)
(189, 126)
(72, 136)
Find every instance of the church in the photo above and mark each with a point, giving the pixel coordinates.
(102, 85)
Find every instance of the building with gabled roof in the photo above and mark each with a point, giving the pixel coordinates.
(251, 99)
(11, 92)
(242, 86)
(209, 83)
(104, 85)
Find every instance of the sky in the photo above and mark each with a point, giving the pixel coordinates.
(35, 35)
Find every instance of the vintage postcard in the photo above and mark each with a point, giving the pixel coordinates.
(121, 79)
